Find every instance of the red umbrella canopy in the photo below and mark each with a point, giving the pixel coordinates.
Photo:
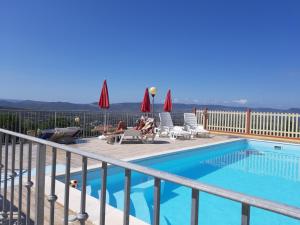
(104, 99)
(145, 106)
(168, 102)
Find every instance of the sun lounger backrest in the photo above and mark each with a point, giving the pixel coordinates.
(56, 136)
(190, 119)
(166, 120)
(149, 126)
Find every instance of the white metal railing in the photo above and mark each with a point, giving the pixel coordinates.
(91, 123)
(227, 121)
(258, 123)
(8, 144)
(275, 124)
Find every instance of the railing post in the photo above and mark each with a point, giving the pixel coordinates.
(28, 184)
(1, 165)
(248, 121)
(20, 181)
(67, 188)
(156, 204)
(245, 214)
(127, 124)
(52, 197)
(40, 184)
(20, 122)
(82, 215)
(127, 197)
(12, 180)
(3, 213)
(205, 118)
(84, 126)
(194, 110)
(195, 207)
(55, 118)
(103, 193)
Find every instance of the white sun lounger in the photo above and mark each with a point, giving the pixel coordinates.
(167, 128)
(137, 135)
(191, 125)
(130, 132)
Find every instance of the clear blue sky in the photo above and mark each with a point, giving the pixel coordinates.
(213, 51)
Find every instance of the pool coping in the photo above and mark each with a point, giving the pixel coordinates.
(273, 141)
(113, 216)
(152, 155)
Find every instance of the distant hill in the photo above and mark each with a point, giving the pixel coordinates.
(8, 108)
(5, 104)
(294, 110)
(47, 106)
(121, 107)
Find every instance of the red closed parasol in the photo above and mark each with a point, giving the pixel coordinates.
(104, 104)
(145, 106)
(104, 98)
(168, 102)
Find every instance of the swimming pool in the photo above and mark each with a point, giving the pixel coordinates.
(268, 170)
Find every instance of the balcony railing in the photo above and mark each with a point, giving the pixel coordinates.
(285, 125)
(8, 212)
(25, 121)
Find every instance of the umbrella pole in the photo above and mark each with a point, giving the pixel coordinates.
(153, 106)
(104, 125)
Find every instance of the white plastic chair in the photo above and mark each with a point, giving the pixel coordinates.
(191, 125)
(167, 128)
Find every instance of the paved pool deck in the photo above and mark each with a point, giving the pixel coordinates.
(131, 149)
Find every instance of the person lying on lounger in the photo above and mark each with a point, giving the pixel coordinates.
(120, 128)
(148, 128)
(114, 136)
(140, 123)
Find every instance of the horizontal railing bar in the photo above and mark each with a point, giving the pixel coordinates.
(279, 208)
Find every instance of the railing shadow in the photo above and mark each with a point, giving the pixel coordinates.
(15, 211)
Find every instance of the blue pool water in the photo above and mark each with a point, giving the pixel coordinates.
(263, 169)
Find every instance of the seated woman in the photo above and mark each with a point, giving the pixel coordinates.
(120, 128)
(140, 123)
(114, 136)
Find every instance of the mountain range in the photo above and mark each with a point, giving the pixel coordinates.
(121, 107)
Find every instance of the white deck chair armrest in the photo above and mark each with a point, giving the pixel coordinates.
(187, 127)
